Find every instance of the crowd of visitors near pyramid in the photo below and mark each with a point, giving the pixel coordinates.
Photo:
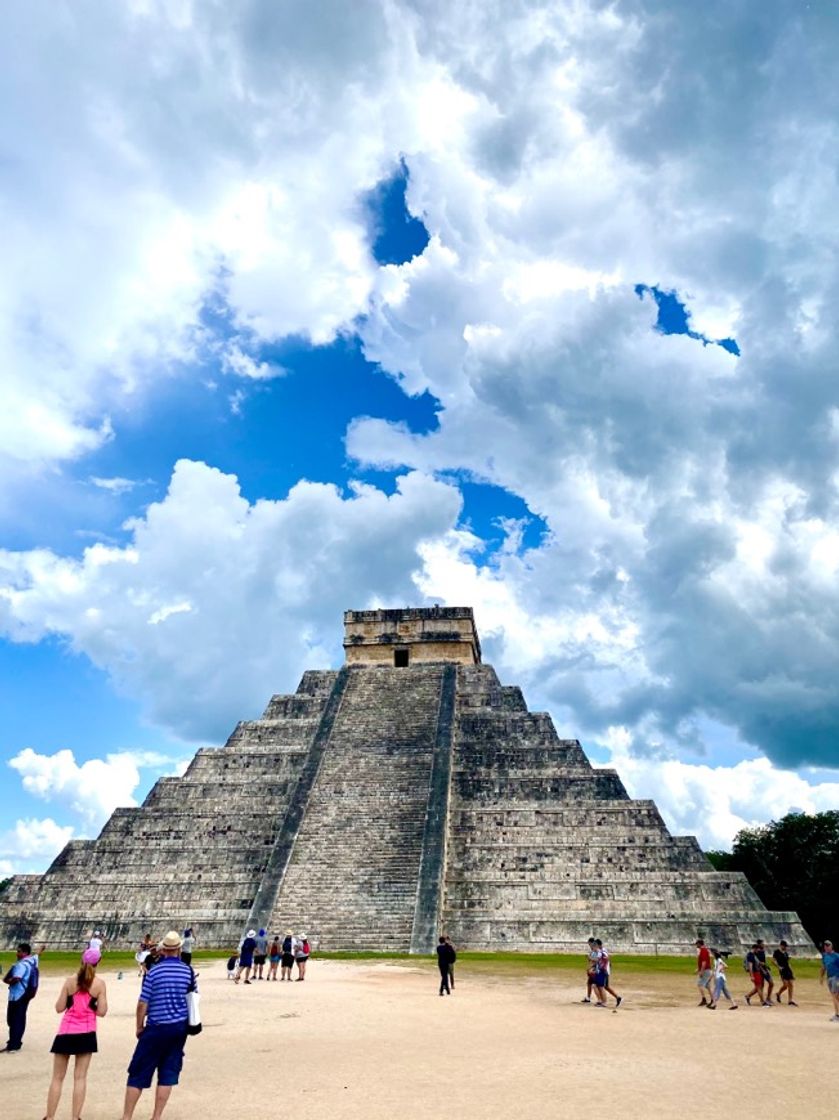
(167, 1010)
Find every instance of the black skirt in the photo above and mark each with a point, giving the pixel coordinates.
(75, 1044)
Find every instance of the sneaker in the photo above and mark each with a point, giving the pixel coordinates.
(792, 1003)
(618, 1001)
(602, 1006)
(766, 1003)
(247, 981)
(704, 1003)
(748, 1000)
(712, 1007)
(834, 1018)
(733, 1007)
(586, 1000)
(778, 998)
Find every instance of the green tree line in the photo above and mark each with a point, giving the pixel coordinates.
(793, 864)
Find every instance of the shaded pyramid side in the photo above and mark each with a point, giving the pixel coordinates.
(544, 850)
(194, 853)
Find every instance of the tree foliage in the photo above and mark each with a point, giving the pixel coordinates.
(793, 864)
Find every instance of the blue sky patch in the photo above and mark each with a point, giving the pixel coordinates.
(674, 318)
(396, 235)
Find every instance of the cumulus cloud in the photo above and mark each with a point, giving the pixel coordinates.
(90, 790)
(692, 497)
(559, 154)
(216, 603)
(32, 844)
(170, 156)
(715, 802)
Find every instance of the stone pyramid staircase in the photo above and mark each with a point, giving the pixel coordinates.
(352, 880)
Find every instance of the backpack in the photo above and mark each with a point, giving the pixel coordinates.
(306, 948)
(749, 963)
(287, 945)
(31, 980)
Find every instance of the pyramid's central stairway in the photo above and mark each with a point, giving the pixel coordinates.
(406, 792)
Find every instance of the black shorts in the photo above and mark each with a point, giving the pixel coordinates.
(288, 960)
(787, 974)
(259, 958)
(75, 1044)
(186, 958)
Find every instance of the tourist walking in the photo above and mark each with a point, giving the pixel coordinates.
(444, 952)
(97, 942)
(146, 946)
(287, 958)
(187, 946)
(274, 957)
(22, 979)
(452, 959)
(781, 959)
(766, 971)
(720, 984)
(162, 1020)
(302, 951)
(830, 969)
(758, 974)
(260, 952)
(704, 972)
(82, 1000)
(232, 962)
(246, 951)
(591, 969)
(604, 968)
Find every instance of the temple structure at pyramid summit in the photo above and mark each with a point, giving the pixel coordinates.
(406, 793)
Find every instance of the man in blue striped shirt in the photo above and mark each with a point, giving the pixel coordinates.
(162, 1019)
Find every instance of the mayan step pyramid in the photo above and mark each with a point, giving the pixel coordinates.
(405, 793)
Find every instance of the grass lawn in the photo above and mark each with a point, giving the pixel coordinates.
(513, 964)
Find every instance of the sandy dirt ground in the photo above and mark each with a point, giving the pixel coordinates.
(374, 1040)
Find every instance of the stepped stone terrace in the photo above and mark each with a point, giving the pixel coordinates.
(407, 792)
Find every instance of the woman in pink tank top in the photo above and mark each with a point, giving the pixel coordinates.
(82, 1000)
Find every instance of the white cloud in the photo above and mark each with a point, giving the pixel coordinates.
(164, 162)
(559, 154)
(90, 790)
(31, 844)
(236, 360)
(690, 496)
(715, 802)
(217, 603)
(114, 485)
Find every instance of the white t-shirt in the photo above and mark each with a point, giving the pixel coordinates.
(95, 943)
(719, 967)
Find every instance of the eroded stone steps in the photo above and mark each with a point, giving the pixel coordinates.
(356, 860)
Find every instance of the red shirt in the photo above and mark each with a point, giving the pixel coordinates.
(703, 960)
